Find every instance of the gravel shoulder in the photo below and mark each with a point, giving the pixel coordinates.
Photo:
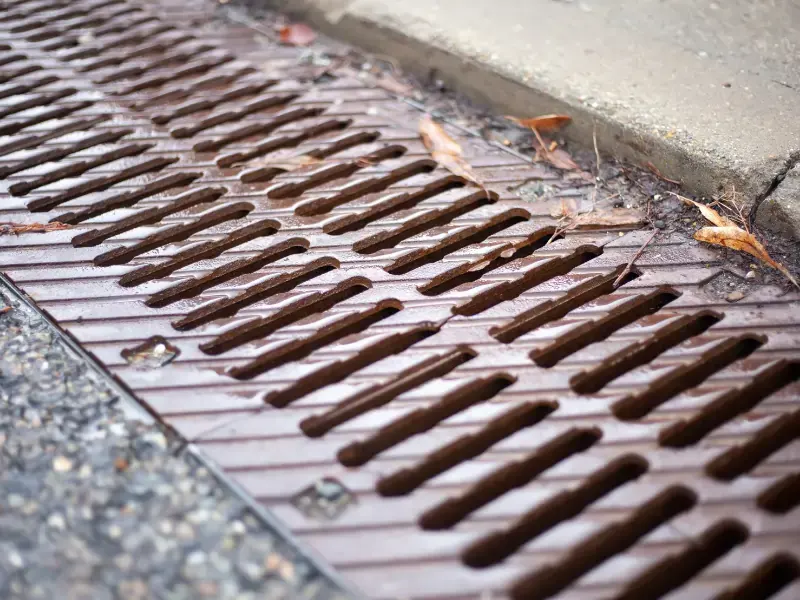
(96, 502)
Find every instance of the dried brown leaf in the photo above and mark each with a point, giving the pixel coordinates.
(17, 228)
(392, 84)
(544, 123)
(289, 164)
(445, 150)
(710, 214)
(297, 34)
(612, 217)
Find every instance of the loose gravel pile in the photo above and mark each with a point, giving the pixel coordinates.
(95, 505)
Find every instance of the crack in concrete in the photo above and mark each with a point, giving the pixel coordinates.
(791, 161)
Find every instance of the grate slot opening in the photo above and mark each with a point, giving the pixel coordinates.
(781, 497)
(552, 310)
(99, 184)
(424, 222)
(6, 76)
(596, 331)
(23, 188)
(198, 68)
(730, 405)
(200, 252)
(24, 88)
(326, 175)
(423, 419)
(675, 571)
(766, 580)
(34, 141)
(678, 380)
(641, 353)
(176, 93)
(391, 206)
(499, 545)
(514, 475)
(612, 540)
(44, 99)
(301, 348)
(536, 276)
(178, 233)
(339, 370)
(195, 286)
(210, 103)
(405, 481)
(284, 118)
(139, 52)
(236, 159)
(468, 274)
(381, 395)
(458, 241)
(128, 199)
(148, 216)
(227, 307)
(59, 153)
(742, 459)
(233, 115)
(264, 326)
(166, 61)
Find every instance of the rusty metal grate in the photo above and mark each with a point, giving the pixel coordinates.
(396, 364)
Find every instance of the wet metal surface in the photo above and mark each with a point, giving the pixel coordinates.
(396, 364)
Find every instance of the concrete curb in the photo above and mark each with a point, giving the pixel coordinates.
(748, 140)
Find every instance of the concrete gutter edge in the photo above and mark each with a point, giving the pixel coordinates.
(702, 171)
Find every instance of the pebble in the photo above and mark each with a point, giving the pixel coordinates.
(660, 224)
(750, 275)
(61, 464)
(734, 296)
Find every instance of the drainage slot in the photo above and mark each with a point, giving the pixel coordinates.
(42, 100)
(299, 349)
(59, 153)
(423, 419)
(613, 540)
(424, 222)
(193, 287)
(122, 255)
(509, 477)
(323, 176)
(553, 310)
(99, 184)
(234, 115)
(513, 289)
(261, 327)
(463, 449)
(284, 118)
(339, 370)
(766, 580)
(782, 496)
(73, 170)
(200, 252)
(34, 141)
(210, 103)
(228, 307)
(730, 405)
(596, 331)
(392, 205)
(286, 141)
(322, 206)
(148, 216)
(684, 378)
(499, 545)
(453, 243)
(468, 273)
(197, 68)
(641, 353)
(675, 571)
(742, 459)
(380, 395)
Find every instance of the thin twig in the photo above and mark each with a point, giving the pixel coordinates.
(636, 256)
(596, 151)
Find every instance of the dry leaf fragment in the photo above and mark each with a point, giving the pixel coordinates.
(738, 239)
(445, 150)
(289, 164)
(17, 228)
(297, 34)
(391, 84)
(710, 214)
(612, 217)
(545, 123)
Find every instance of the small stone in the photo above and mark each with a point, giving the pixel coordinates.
(15, 560)
(115, 532)
(750, 275)
(735, 296)
(660, 224)
(184, 531)
(56, 521)
(61, 464)
(15, 500)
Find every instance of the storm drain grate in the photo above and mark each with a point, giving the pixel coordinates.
(458, 407)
